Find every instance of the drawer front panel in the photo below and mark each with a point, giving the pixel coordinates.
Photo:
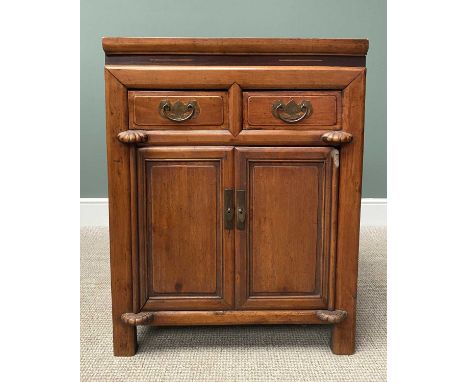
(177, 110)
(292, 110)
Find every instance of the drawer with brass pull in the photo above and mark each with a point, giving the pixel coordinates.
(304, 110)
(168, 110)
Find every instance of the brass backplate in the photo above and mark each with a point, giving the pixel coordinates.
(228, 209)
(240, 209)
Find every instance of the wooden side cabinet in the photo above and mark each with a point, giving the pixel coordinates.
(235, 172)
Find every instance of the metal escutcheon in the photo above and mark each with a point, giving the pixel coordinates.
(240, 209)
(229, 209)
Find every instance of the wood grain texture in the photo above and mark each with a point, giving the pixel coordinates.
(289, 195)
(237, 317)
(349, 208)
(235, 109)
(134, 227)
(148, 45)
(244, 137)
(325, 110)
(222, 77)
(144, 111)
(183, 204)
(186, 255)
(118, 161)
(284, 207)
(331, 226)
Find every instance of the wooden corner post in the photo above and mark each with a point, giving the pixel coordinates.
(343, 334)
(118, 162)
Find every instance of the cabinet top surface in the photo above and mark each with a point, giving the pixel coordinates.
(160, 45)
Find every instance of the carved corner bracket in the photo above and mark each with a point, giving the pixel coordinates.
(132, 136)
(332, 316)
(133, 319)
(337, 137)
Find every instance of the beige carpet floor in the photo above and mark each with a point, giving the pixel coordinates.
(248, 353)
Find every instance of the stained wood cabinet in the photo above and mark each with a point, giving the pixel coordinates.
(234, 182)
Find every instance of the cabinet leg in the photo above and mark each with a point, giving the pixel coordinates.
(343, 337)
(125, 339)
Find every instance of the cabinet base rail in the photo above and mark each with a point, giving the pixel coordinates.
(233, 317)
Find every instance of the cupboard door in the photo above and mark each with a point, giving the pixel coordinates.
(285, 249)
(186, 254)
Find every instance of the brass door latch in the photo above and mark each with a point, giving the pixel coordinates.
(240, 209)
(229, 208)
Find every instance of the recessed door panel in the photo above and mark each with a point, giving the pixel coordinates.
(280, 193)
(286, 249)
(184, 253)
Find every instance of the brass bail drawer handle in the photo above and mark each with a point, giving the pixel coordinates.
(291, 112)
(240, 209)
(178, 112)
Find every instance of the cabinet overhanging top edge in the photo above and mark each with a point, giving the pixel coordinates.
(160, 45)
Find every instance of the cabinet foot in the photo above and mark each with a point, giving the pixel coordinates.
(124, 340)
(343, 338)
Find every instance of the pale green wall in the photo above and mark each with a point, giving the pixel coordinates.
(239, 18)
